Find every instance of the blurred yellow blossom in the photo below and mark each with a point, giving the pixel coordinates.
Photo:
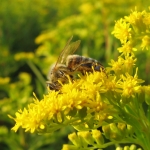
(136, 20)
(4, 80)
(133, 31)
(23, 55)
(86, 8)
(145, 42)
(127, 48)
(122, 31)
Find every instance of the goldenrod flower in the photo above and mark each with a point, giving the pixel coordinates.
(123, 65)
(146, 19)
(129, 64)
(116, 66)
(130, 85)
(127, 48)
(145, 42)
(57, 107)
(89, 92)
(122, 31)
(136, 20)
(133, 32)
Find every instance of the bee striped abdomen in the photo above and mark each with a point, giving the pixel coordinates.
(82, 64)
(73, 61)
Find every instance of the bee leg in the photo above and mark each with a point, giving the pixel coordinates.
(97, 67)
(71, 76)
(51, 86)
(88, 67)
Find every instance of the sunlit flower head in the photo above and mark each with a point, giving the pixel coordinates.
(123, 65)
(146, 19)
(127, 48)
(130, 85)
(83, 96)
(116, 65)
(122, 31)
(145, 42)
(133, 32)
(136, 19)
(129, 63)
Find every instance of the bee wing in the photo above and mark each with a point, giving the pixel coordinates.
(68, 50)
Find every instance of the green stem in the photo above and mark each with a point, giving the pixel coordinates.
(36, 72)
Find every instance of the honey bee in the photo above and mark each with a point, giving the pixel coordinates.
(69, 64)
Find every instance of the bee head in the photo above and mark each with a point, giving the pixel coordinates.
(57, 73)
(54, 86)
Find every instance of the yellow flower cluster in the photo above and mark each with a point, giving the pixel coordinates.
(68, 105)
(133, 32)
(59, 106)
(94, 98)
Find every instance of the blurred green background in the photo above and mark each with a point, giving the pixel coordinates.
(32, 35)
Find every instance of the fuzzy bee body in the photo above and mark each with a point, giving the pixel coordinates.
(68, 65)
(83, 64)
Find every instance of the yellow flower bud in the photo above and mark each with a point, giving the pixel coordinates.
(74, 139)
(97, 135)
(69, 147)
(86, 135)
(106, 130)
(133, 147)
